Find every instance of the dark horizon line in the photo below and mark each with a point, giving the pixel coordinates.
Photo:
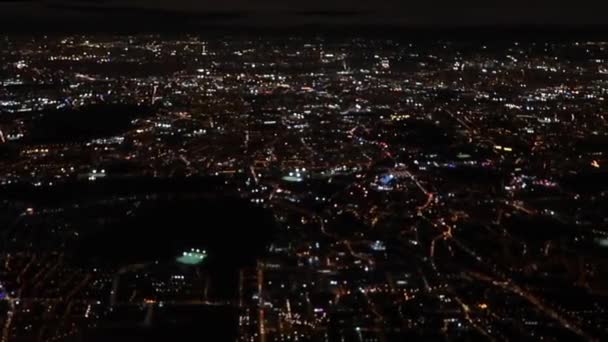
(449, 31)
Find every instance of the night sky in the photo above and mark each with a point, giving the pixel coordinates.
(277, 13)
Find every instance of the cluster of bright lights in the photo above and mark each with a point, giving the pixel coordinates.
(193, 257)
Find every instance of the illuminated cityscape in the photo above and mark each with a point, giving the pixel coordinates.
(302, 188)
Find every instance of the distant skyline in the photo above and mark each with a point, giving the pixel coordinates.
(286, 13)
